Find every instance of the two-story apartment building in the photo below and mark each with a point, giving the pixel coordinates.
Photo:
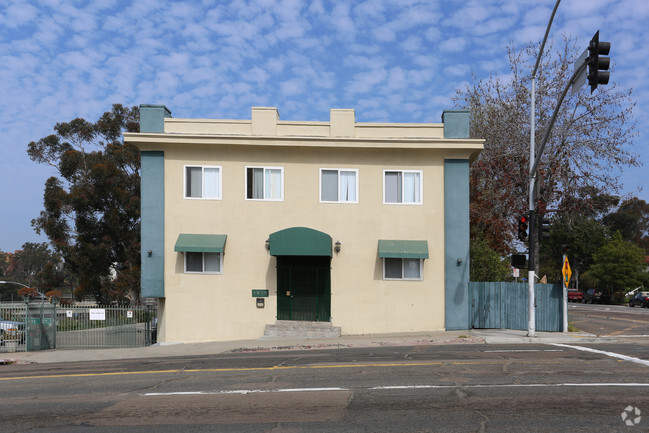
(244, 222)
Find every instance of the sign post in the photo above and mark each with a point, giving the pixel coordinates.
(567, 273)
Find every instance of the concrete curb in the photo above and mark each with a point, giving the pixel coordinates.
(274, 344)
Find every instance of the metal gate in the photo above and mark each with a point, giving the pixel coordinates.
(93, 327)
(304, 288)
(504, 306)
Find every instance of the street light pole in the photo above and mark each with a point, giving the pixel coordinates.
(531, 324)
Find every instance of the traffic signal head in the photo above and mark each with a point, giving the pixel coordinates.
(597, 64)
(519, 260)
(523, 220)
(544, 228)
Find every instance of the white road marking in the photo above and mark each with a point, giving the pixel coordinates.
(522, 350)
(632, 336)
(244, 391)
(602, 352)
(512, 385)
(400, 387)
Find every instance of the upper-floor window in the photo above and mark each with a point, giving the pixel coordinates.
(340, 186)
(402, 186)
(265, 183)
(203, 181)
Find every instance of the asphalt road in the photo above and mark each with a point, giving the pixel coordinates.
(445, 388)
(610, 320)
(454, 388)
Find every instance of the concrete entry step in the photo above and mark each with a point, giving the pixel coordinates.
(295, 328)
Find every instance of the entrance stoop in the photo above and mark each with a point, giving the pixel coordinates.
(295, 328)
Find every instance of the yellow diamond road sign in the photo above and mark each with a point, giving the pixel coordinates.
(567, 273)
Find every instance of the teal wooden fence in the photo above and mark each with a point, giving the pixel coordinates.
(504, 306)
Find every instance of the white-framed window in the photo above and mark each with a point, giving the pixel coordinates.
(265, 183)
(338, 185)
(402, 269)
(202, 182)
(203, 263)
(402, 186)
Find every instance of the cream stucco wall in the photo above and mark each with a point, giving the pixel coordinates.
(221, 307)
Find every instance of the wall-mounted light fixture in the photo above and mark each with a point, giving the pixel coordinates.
(267, 244)
(459, 262)
(337, 246)
(149, 253)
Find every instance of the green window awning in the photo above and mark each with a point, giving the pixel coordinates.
(199, 243)
(398, 249)
(300, 241)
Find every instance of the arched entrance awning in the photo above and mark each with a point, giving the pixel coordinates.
(300, 241)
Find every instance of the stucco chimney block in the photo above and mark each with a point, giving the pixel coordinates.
(264, 120)
(342, 122)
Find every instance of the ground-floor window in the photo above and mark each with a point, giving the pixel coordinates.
(207, 263)
(402, 269)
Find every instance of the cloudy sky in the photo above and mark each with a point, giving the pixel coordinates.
(391, 60)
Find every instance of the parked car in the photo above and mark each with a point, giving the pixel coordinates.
(641, 299)
(575, 295)
(600, 296)
(12, 331)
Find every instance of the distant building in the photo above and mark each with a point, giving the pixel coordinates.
(361, 225)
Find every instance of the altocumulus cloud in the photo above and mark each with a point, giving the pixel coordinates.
(392, 60)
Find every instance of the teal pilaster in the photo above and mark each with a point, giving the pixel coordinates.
(456, 244)
(152, 220)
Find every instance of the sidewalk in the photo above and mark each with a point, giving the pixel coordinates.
(474, 336)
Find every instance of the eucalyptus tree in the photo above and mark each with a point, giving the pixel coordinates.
(92, 209)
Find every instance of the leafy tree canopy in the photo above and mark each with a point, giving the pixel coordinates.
(582, 235)
(618, 264)
(35, 265)
(486, 263)
(92, 209)
(631, 219)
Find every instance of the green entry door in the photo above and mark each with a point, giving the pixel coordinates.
(304, 288)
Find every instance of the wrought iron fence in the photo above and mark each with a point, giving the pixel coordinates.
(38, 325)
(13, 335)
